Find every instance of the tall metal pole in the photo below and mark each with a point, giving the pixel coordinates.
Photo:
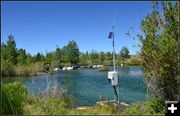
(114, 62)
(179, 58)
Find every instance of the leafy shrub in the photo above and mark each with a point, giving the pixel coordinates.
(13, 96)
(23, 70)
(133, 61)
(55, 106)
(151, 106)
(160, 49)
(7, 68)
(51, 106)
(28, 69)
(53, 89)
(154, 106)
(133, 109)
(52, 101)
(107, 63)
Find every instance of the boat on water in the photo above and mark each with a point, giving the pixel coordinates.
(64, 68)
(70, 68)
(57, 69)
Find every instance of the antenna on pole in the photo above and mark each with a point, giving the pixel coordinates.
(113, 31)
(113, 75)
(114, 60)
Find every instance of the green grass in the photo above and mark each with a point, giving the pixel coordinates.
(51, 106)
(152, 106)
(28, 69)
(15, 100)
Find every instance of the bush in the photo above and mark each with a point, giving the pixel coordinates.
(13, 96)
(23, 70)
(133, 61)
(107, 63)
(150, 107)
(7, 68)
(28, 69)
(159, 44)
(53, 100)
(154, 106)
(50, 106)
(133, 109)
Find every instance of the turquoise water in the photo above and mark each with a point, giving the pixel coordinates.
(86, 86)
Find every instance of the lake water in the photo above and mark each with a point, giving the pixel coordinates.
(86, 86)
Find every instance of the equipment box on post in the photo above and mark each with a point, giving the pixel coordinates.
(113, 78)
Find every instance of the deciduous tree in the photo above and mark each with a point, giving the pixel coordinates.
(21, 58)
(159, 49)
(124, 53)
(73, 53)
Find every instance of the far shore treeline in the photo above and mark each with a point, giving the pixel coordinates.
(17, 62)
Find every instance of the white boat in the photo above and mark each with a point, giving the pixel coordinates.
(99, 66)
(64, 68)
(69, 68)
(94, 66)
(56, 69)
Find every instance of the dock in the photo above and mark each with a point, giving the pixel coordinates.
(121, 105)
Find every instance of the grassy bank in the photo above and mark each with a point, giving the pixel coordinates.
(54, 101)
(30, 69)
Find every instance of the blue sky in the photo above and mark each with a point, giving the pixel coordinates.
(41, 26)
